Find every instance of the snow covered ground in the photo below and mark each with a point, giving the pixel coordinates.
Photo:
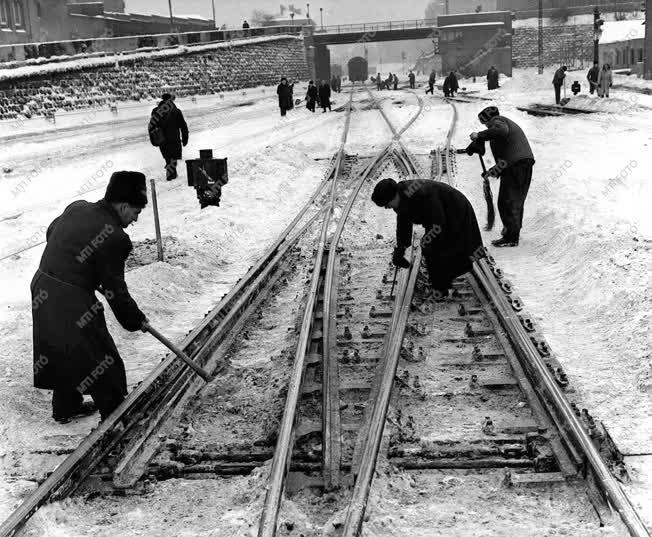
(582, 268)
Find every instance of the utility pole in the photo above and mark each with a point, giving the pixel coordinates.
(647, 66)
(321, 17)
(214, 19)
(446, 11)
(171, 18)
(540, 37)
(597, 30)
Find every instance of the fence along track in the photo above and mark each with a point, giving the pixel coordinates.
(128, 432)
(330, 398)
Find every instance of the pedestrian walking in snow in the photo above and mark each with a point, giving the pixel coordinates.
(284, 92)
(395, 82)
(592, 77)
(311, 96)
(452, 235)
(431, 83)
(451, 85)
(379, 82)
(493, 78)
(86, 250)
(514, 161)
(411, 78)
(558, 82)
(168, 130)
(605, 80)
(325, 96)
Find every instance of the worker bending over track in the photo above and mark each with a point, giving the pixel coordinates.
(452, 235)
(74, 354)
(514, 161)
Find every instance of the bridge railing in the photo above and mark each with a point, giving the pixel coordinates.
(376, 26)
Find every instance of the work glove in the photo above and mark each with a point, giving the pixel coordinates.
(398, 258)
(476, 146)
(492, 172)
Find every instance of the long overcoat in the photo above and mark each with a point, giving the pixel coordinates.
(284, 92)
(452, 233)
(324, 95)
(85, 252)
(175, 130)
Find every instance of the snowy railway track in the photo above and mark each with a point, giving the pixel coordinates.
(474, 357)
(126, 440)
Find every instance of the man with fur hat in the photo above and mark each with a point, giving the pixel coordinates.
(452, 235)
(514, 161)
(168, 120)
(86, 250)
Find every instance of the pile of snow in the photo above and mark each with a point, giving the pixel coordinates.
(617, 31)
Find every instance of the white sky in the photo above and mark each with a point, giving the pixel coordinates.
(232, 12)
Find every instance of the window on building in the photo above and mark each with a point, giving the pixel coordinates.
(640, 54)
(18, 14)
(632, 57)
(618, 57)
(4, 13)
(39, 10)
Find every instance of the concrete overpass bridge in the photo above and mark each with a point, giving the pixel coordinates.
(344, 34)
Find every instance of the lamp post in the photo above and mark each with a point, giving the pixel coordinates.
(308, 11)
(292, 18)
(171, 18)
(214, 19)
(321, 17)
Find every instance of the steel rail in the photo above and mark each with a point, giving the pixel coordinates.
(155, 388)
(548, 390)
(394, 340)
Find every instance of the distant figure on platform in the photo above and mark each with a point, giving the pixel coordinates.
(379, 81)
(514, 162)
(86, 250)
(311, 96)
(284, 92)
(245, 25)
(431, 83)
(605, 80)
(452, 234)
(411, 78)
(451, 85)
(492, 78)
(395, 82)
(558, 82)
(325, 96)
(592, 76)
(169, 126)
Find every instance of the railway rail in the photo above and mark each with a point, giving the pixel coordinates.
(347, 409)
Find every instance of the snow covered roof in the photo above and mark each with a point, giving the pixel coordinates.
(616, 31)
(471, 25)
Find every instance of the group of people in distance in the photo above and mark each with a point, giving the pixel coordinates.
(599, 79)
(315, 95)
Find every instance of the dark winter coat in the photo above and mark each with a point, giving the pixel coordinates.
(284, 92)
(492, 78)
(451, 84)
(558, 78)
(175, 130)
(452, 231)
(593, 74)
(411, 77)
(432, 79)
(508, 141)
(86, 251)
(324, 95)
(312, 94)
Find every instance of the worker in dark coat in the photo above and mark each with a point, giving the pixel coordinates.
(451, 85)
(411, 78)
(86, 250)
(325, 96)
(558, 82)
(492, 78)
(431, 83)
(592, 77)
(170, 120)
(284, 92)
(379, 82)
(514, 162)
(395, 82)
(311, 96)
(452, 235)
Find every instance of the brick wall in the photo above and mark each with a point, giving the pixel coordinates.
(207, 72)
(571, 45)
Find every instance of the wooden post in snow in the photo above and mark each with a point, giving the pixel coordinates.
(159, 241)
